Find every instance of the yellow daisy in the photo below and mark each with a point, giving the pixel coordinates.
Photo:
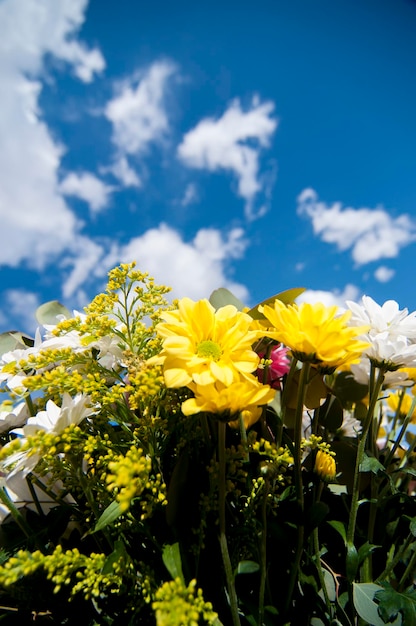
(226, 401)
(316, 333)
(203, 345)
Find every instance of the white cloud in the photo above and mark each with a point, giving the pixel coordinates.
(137, 111)
(87, 187)
(190, 196)
(86, 262)
(21, 305)
(122, 170)
(330, 298)
(36, 222)
(30, 29)
(233, 143)
(192, 269)
(371, 234)
(383, 274)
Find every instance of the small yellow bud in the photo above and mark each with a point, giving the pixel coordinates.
(325, 466)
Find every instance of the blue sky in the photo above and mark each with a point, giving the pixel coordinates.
(253, 145)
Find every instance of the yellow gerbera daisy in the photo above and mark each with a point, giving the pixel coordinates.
(203, 345)
(227, 401)
(316, 333)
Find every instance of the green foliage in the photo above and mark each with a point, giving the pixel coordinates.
(130, 512)
(392, 602)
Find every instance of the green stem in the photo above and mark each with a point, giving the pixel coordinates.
(30, 406)
(18, 517)
(320, 571)
(243, 435)
(375, 387)
(400, 436)
(360, 455)
(287, 385)
(263, 551)
(394, 561)
(223, 537)
(303, 381)
(318, 558)
(409, 572)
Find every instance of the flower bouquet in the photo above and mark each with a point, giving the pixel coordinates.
(202, 463)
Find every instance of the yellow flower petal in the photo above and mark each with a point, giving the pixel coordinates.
(208, 345)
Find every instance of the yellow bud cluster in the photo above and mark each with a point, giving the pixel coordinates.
(177, 604)
(62, 567)
(316, 442)
(129, 476)
(46, 358)
(279, 456)
(144, 385)
(23, 563)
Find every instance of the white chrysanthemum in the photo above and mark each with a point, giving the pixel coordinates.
(398, 378)
(17, 488)
(350, 427)
(55, 419)
(391, 353)
(385, 318)
(14, 418)
(391, 332)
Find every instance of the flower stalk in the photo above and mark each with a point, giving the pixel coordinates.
(229, 576)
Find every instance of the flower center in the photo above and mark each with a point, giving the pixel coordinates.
(209, 350)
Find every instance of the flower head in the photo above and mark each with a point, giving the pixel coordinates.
(385, 318)
(278, 366)
(325, 466)
(204, 345)
(397, 378)
(391, 352)
(226, 401)
(55, 419)
(315, 333)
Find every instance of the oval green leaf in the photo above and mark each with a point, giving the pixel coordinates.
(48, 312)
(367, 609)
(287, 297)
(247, 567)
(222, 296)
(171, 557)
(109, 515)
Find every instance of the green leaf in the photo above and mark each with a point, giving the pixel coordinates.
(331, 414)
(48, 312)
(347, 389)
(221, 297)
(315, 515)
(108, 516)
(172, 559)
(371, 464)
(247, 567)
(412, 526)
(118, 553)
(352, 561)
(367, 609)
(13, 340)
(330, 585)
(340, 528)
(287, 297)
(366, 549)
(392, 603)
